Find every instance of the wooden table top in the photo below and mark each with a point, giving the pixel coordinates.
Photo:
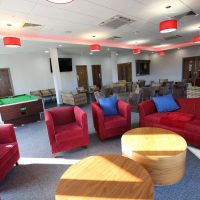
(150, 141)
(103, 177)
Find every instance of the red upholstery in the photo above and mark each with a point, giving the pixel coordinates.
(110, 126)
(67, 128)
(9, 151)
(185, 121)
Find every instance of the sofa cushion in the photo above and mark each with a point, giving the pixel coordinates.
(165, 103)
(155, 117)
(193, 126)
(109, 105)
(176, 119)
(68, 132)
(114, 121)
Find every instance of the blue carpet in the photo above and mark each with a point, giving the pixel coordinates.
(188, 188)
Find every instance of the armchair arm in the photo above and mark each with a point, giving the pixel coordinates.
(98, 117)
(80, 116)
(124, 110)
(50, 126)
(146, 107)
(7, 134)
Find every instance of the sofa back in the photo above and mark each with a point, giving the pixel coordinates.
(191, 106)
(62, 116)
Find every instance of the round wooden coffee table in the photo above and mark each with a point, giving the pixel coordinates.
(161, 152)
(103, 177)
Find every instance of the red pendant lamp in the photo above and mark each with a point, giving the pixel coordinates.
(196, 39)
(161, 53)
(168, 26)
(95, 47)
(136, 51)
(60, 1)
(11, 42)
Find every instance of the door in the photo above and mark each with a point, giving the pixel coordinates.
(125, 72)
(82, 77)
(190, 68)
(5, 83)
(96, 74)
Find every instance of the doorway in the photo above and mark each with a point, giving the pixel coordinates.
(191, 66)
(82, 77)
(96, 75)
(5, 83)
(125, 71)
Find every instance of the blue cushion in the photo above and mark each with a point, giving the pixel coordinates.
(165, 103)
(109, 105)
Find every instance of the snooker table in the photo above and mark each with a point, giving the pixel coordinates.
(20, 109)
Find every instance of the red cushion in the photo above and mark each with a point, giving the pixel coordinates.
(155, 117)
(176, 119)
(68, 132)
(193, 126)
(114, 121)
(6, 152)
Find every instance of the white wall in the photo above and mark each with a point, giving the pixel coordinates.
(28, 72)
(167, 66)
(32, 72)
(170, 65)
(69, 79)
(131, 58)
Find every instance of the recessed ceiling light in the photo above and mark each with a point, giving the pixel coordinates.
(91, 53)
(46, 51)
(60, 45)
(60, 1)
(68, 32)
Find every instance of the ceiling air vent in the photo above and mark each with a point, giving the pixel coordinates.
(30, 25)
(172, 37)
(116, 22)
(114, 38)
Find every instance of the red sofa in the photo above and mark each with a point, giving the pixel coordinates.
(184, 121)
(9, 151)
(67, 128)
(110, 126)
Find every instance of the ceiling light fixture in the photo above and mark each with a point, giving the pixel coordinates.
(161, 53)
(60, 1)
(196, 39)
(11, 42)
(95, 47)
(168, 26)
(136, 51)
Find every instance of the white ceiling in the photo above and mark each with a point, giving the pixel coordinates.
(83, 17)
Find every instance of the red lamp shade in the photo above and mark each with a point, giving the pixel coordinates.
(95, 47)
(168, 26)
(196, 39)
(60, 1)
(162, 53)
(136, 51)
(11, 42)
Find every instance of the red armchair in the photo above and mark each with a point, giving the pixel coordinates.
(9, 151)
(67, 128)
(110, 126)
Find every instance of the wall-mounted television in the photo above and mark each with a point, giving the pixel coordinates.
(65, 64)
(142, 67)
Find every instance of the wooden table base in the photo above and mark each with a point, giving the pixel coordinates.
(161, 152)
